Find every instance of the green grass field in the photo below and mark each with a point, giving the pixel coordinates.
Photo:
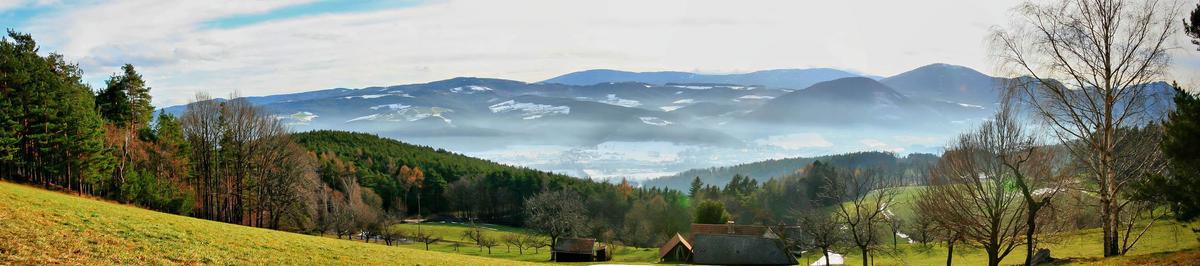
(42, 227)
(452, 233)
(39, 227)
(1083, 246)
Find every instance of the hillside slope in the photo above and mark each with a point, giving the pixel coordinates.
(907, 167)
(39, 227)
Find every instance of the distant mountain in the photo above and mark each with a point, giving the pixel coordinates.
(778, 78)
(950, 83)
(845, 101)
(911, 168)
(614, 124)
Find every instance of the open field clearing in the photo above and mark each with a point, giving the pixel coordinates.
(39, 227)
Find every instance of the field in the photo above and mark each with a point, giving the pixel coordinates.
(1082, 247)
(42, 227)
(39, 227)
(452, 233)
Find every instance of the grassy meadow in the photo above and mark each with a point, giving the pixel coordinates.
(452, 233)
(39, 227)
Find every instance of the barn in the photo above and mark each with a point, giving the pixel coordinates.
(677, 249)
(574, 249)
(725, 249)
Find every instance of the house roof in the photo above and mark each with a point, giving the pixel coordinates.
(730, 229)
(739, 250)
(575, 245)
(674, 241)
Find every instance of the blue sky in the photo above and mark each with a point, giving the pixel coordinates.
(270, 47)
(310, 9)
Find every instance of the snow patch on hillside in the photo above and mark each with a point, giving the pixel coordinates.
(301, 118)
(693, 87)
(470, 89)
(650, 120)
(402, 113)
(529, 110)
(614, 100)
(670, 108)
(394, 106)
(753, 97)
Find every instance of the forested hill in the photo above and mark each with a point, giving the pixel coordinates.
(908, 167)
(376, 163)
(370, 151)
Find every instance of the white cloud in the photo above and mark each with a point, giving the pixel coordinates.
(796, 141)
(527, 40)
(13, 4)
(877, 145)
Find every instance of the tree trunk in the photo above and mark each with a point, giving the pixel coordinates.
(825, 251)
(1111, 225)
(1030, 229)
(950, 252)
(865, 260)
(993, 257)
(553, 242)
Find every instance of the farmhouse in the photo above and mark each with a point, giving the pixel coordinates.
(739, 250)
(727, 244)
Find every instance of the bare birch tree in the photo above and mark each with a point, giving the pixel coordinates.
(1088, 63)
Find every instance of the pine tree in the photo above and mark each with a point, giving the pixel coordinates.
(125, 104)
(696, 186)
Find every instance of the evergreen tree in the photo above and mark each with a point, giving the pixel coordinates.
(696, 186)
(125, 104)
(51, 134)
(1180, 188)
(1191, 26)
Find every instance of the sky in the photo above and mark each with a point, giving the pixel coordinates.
(271, 47)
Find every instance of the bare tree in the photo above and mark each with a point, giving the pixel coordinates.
(1088, 64)
(866, 196)
(516, 240)
(428, 239)
(556, 214)
(823, 230)
(475, 235)
(391, 232)
(1027, 162)
(922, 230)
(535, 242)
(488, 242)
(968, 195)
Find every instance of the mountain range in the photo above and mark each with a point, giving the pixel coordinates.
(609, 123)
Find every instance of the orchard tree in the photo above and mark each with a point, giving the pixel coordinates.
(556, 214)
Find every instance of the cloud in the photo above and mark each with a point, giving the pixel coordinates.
(796, 141)
(877, 145)
(528, 40)
(6, 5)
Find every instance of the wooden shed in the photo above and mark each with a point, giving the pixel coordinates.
(574, 249)
(676, 249)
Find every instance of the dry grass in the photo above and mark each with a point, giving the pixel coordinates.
(39, 227)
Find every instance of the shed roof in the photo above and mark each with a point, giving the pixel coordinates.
(575, 245)
(739, 250)
(674, 241)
